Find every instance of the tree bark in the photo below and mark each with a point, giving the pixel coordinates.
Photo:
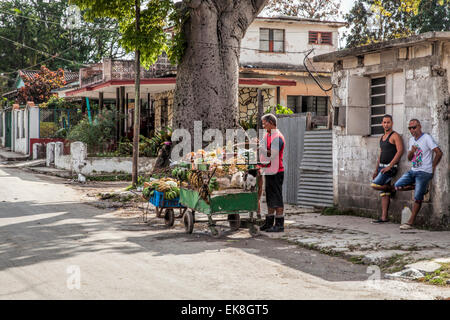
(208, 74)
(137, 103)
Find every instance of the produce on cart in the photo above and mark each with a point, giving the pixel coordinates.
(219, 183)
(164, 194)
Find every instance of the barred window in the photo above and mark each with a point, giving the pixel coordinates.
(317, 37)
(377, 104)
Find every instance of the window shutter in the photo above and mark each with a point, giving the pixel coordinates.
(357, 106)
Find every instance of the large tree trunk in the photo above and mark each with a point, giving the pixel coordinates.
(208, 75)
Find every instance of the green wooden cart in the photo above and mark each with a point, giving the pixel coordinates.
(232, 205)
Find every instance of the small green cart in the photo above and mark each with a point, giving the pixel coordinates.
(231, 204)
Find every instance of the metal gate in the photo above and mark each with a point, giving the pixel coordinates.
(316, 170)
(293, 128)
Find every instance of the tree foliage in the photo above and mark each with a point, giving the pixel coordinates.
(39, 86)
(38, 25)
(380, 20)
(150, 40)
(432, 15)
(312, 9)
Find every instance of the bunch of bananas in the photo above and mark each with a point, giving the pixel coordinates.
(163, 187)
(172, 193)
(180, 173)
(195, 179)
(213, 185)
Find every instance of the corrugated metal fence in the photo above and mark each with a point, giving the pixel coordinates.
(316, 170)
(293, 128)
(308, 178)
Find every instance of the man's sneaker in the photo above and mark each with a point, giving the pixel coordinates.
(406, 226)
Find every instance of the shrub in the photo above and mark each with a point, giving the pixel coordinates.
(96, 134)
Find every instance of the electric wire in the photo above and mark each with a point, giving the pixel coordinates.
(54, 22)
(41, 62)
(41, 52)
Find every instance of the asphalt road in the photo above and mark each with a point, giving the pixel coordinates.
(53, 246)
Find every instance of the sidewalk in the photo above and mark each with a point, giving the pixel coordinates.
(360, 241)
(6, 155)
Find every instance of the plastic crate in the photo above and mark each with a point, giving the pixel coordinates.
(158, 201)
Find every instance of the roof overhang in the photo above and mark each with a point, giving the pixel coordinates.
(287, 19)
(158, 85)
(382, 46)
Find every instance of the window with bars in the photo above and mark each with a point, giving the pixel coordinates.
(377, 104)
(317, 37)
(303, 104)
(271, 40)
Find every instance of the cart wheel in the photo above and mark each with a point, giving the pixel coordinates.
(169, 217)
(254, 230)
(188, 220)
(235, 221)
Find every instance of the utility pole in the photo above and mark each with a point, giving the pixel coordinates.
(137, 101)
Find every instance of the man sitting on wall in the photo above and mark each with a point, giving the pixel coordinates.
(421, 149)
(391, 150)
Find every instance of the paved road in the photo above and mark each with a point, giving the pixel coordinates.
(52, 246)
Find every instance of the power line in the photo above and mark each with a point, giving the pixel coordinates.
(41, 62)
(53, 22)
(41, 52)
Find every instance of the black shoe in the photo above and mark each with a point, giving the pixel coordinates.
(268, 223)
(380, 221)
(279, 225)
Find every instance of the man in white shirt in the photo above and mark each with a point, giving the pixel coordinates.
(421, 149)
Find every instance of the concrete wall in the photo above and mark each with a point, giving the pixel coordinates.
(296, 40)
(78, 162)
(20, 130)
(23, 131)
(416, 90)
(3, 131)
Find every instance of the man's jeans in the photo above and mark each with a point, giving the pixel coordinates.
(418, 178)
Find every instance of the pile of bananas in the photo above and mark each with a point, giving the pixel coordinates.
(168, 186)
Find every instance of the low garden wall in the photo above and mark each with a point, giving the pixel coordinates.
(78, 161)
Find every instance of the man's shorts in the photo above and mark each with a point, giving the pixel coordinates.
(274, 190)
(418, 178)
(384, 178)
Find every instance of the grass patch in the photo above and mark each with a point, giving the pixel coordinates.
(116, 177)
(356, 260)
(439, 277)
(394, 264)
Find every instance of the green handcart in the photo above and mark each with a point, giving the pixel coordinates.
(231, 204)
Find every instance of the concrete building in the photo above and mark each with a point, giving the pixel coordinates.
(407, 78)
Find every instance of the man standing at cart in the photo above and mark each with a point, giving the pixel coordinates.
(271, 167)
